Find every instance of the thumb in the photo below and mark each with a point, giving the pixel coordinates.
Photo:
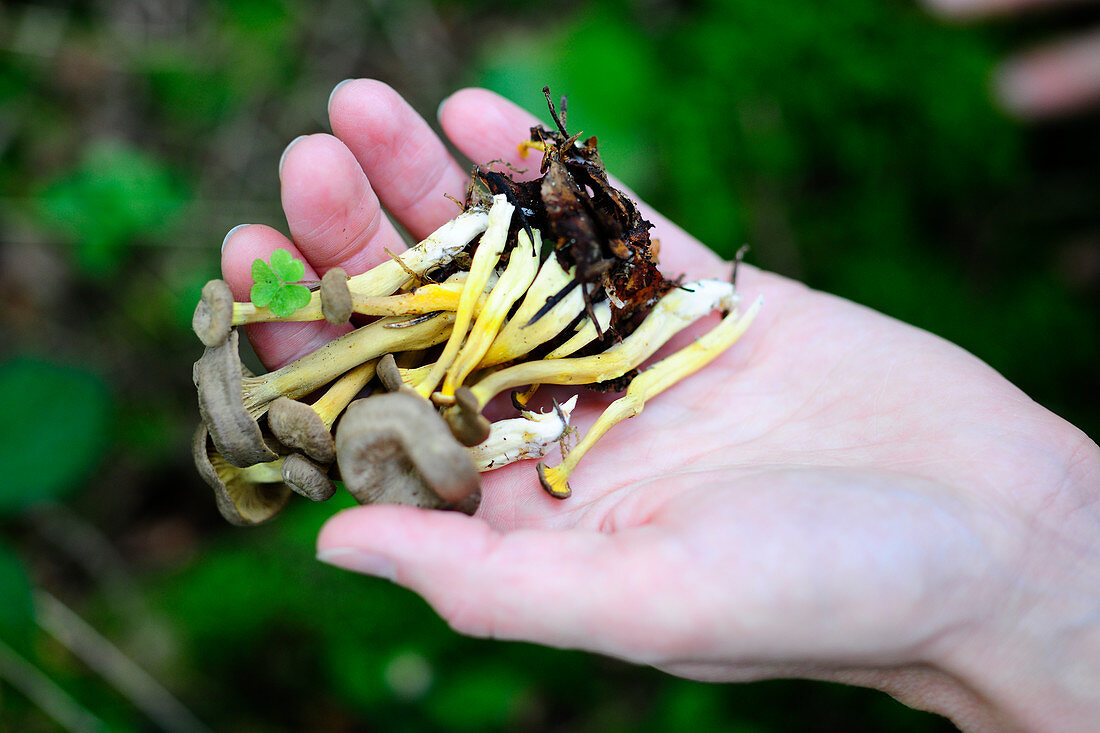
(569, 588)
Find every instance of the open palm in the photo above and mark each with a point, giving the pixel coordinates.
(838, 496)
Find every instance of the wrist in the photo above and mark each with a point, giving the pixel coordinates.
(1031, 658)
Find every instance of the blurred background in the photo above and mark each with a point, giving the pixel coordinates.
(853, 144)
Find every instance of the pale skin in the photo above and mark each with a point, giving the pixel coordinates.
(840, 496)
(1054, 77)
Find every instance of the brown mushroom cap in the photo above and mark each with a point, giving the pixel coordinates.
(240, 500)
(335, 296)
(235, 433)
(395, 449)
(297, 425)
(307, 478)
(467, 423)
(213, 317)
(389, 375)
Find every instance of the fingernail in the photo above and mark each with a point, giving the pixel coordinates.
(439, 109)
(359, 561)
(230, 234)
(333, 93)
(282, 158)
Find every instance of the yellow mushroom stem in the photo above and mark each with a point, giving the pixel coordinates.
(260, 473)
(586, 334)
(517, 338)
(651, 382)
(439, 248)
(317, 369)
(523, 264)
(526, 146)
(425, 299)
(674, 312)
(329, 406)
(485, 260)
(520, 438)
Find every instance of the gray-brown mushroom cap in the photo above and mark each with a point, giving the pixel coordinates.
(235, 433)
(465, 420)
(240, 500)
(395, 449)
(213, 317)
(297, 425)
(307, 478)
(336, 305)
(388, 374)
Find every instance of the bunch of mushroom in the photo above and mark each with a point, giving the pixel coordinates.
(421, 438)
(478, 309)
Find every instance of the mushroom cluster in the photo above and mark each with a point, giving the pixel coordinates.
(550, 281)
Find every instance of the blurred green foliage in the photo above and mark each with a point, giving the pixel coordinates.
(61, 435)
(17, 610)
(852, 145)
(113, 196)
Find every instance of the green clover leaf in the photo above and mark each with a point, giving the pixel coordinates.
(286, 267)
(276, 287)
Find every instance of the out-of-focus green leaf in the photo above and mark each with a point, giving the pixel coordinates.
(54, 432)
(17, 606)
(479, 698)
(113, 197)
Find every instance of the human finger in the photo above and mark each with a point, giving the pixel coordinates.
(1057, 78)
(334, 216)
(405, 161)
(275, 343)
(485, 126)
(566, 588)
(977, 8)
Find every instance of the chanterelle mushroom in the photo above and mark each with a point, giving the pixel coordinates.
(335, 296)
(297, 425)
(244, 495)
(307, 478)
(214, 314)
(218, 377)
(395, 449)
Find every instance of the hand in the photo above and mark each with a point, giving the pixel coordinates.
(1059, 77)
(839, 496)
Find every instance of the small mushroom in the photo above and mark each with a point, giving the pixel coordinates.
(467, 423)
(372, 291)
(236, 434)
(244, 495)
(308, 427)
(230, 403)
(214, 314)
(389, 375)
(298, 426)
(425, 299)
(307, 478)
(651, 382)
(335, 296)
(395, 449)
